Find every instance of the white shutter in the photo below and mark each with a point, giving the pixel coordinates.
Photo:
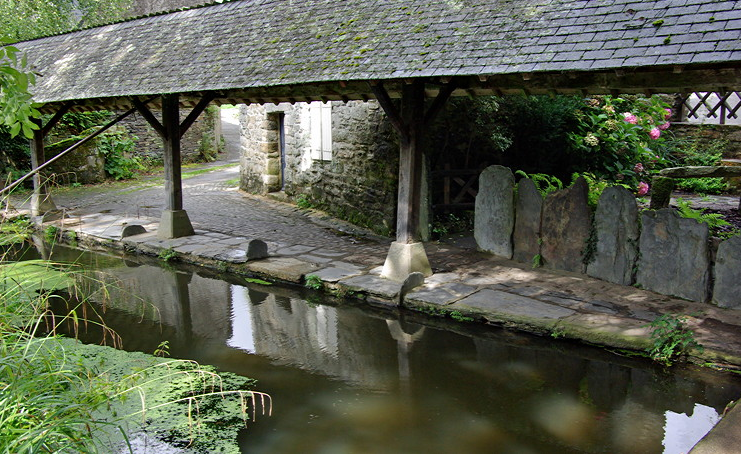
(327, 132)
(315, 129)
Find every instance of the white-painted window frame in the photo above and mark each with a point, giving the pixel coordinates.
(320, 119)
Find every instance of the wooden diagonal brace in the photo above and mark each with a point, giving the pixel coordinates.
(197, 110)
(439, 102)
(141, 107)
(55, 119)
(391, 111)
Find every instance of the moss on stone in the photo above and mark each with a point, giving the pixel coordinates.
(661, 192)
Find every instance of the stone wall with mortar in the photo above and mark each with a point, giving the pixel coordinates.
(149, 144)
(669, 254)
(359, 183)
(707, 133)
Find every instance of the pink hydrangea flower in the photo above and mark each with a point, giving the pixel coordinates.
(655, 133)
(630, 118)
(638, 168)
(643, 188)
(668, 114)
(664, 126)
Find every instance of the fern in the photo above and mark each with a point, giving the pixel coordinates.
(713, 220)
(544, 182)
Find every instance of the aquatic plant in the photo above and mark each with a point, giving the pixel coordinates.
(313, 282)
(671, 338)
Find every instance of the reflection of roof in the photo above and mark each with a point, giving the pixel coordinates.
(243, 44)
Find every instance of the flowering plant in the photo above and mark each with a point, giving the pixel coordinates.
(623, 139)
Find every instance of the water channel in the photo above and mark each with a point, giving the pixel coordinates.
(346, 378)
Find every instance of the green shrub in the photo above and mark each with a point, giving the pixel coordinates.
(117, 149)
(313, 282)
(622, 139)
(671, 338)
(702, 185)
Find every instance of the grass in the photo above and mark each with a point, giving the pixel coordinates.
(57, 395)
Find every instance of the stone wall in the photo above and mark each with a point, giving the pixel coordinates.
(149, 144)
(709, 132)
(358, 184)
(669, 254)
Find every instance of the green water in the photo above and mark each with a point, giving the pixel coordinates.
(345, 378)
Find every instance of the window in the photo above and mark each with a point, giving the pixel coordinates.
(321, 130)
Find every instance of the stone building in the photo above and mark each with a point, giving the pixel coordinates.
(340, 157)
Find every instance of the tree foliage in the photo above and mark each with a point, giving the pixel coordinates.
(16, 107)
(28, 19)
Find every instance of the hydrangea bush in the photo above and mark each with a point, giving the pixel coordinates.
(624, 138)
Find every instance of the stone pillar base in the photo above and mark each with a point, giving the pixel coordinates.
(41, 203)
(174, 224)
(404, 259)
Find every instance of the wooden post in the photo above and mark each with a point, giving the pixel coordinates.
(41, 201)
(408, 228)
(171, 123)
(174, 222)
(407, 254)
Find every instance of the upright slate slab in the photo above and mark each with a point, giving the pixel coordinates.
(675, 257)
(528, 213)
(494, 217)
(565, 227)
(617, 232)
(727, 289)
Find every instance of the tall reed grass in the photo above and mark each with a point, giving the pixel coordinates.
(58, 396)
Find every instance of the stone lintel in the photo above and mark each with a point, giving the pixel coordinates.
(701, 172)
(404, 259)
(174, 224)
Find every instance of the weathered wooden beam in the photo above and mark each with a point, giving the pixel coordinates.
(439, 102)
(37, 157)
(55, 119)
(410, 165)
(171, 158)
(196, 112)
(41, 201)
(149, 116)
(391, 111)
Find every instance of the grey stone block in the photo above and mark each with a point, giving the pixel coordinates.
(495, 211)
(131, 230)
(617, 232)
(255, 249)
(529, 209)
(674, 256)
(565, 227)
(727, 289)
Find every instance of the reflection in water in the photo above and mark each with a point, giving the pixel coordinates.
(348, 379)
(682, 430)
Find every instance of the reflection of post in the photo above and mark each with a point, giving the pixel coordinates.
(181, 293)
(404, 343)
(41, 246)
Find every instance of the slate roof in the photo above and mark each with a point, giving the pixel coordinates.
(242, 44)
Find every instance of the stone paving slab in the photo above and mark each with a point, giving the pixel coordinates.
(284, 268)
(387, 290)
(314, 258)
(295, 249)
(333, 274)
(498, 304)
(439, 295)
(195, 249)
(607, 330)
